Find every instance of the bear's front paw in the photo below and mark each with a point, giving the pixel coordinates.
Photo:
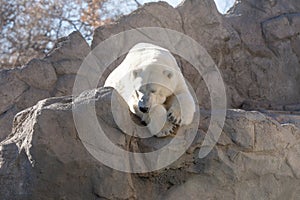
(174, 116)
(168, 129)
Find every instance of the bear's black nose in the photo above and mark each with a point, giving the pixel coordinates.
(144, 109)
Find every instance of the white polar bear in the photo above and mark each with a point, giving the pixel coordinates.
(154, 88)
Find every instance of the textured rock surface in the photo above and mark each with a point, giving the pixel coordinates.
(264, 54)
(6, 121)
(38, 73)
(256, 47)
(11, 88)
(23, 87)
(256, 158)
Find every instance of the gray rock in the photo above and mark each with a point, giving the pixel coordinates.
(11, 89)
(259, 159)
(278, 29)
(256, 47)
(68, 54)
(73, 46)
(30, 97)
(284, 117)
(6, 122)
(263, 58)
(64, 85)
(158, 14)
(39, 74)
(67, 66)
(15, 96)
(51, 152)
(21, 88)
(202, 21)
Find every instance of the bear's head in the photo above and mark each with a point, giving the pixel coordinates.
(153, 84)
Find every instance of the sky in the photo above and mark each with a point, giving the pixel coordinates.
(222, 5)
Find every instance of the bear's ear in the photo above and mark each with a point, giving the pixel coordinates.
(136, 72)
(168, 73)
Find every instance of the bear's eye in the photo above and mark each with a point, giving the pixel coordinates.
(152, 90)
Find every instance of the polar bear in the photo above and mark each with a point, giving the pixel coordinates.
(151, 83)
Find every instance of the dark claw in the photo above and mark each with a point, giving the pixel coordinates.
(169, 114)
(179, 121)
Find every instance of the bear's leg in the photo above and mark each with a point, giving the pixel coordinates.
(182, 108)
(158, 117)
(158, 123)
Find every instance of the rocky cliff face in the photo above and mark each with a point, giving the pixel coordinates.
(255, 158)
(256, 47)
(52, 76)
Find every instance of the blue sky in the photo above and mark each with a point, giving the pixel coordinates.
(222, 5)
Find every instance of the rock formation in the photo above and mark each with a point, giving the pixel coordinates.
(52, 76)
(256, 47)
(256, 157)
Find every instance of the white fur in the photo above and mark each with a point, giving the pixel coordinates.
(149, 76)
